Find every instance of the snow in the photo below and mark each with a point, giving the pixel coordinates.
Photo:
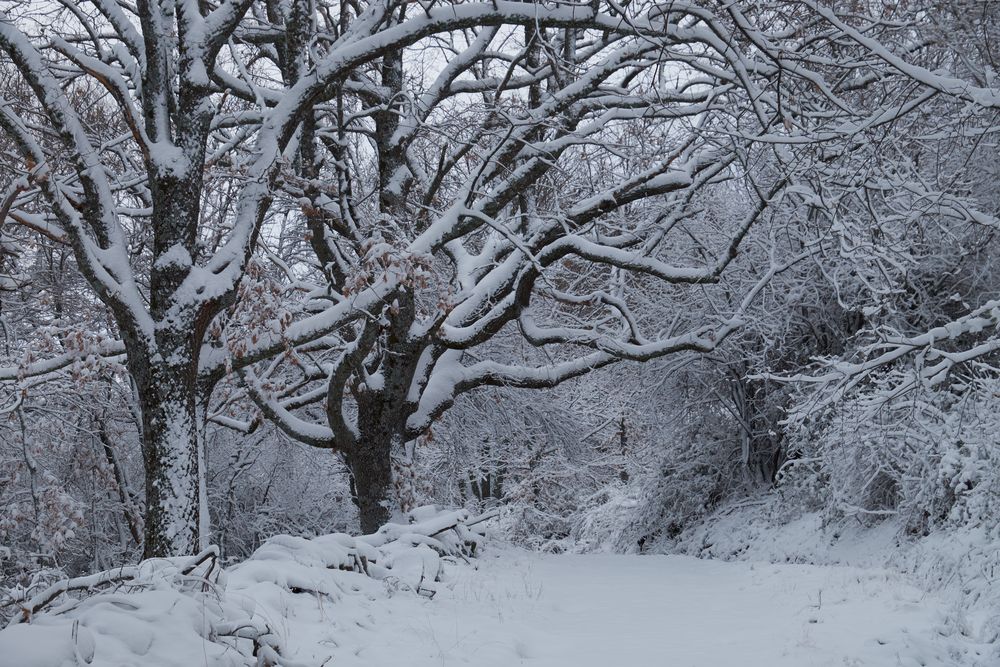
(391, 599)
(602, 609)
(294, 601)
(957, 565)
(175, 256)
(32, 644)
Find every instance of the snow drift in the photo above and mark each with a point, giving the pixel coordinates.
(266, 611)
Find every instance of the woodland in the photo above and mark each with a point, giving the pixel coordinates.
(638, 277)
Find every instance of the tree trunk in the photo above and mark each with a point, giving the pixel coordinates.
(170, 452)
(371, 466)
(371, 462)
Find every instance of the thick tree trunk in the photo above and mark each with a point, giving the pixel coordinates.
(168, 376)
(170, 452)
(371, 462)
(371, 466)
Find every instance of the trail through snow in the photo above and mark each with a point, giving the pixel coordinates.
(608, 610)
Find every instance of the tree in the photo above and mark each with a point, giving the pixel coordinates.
(921, 239)
(534, 168)
(160, 66)
(529, 188)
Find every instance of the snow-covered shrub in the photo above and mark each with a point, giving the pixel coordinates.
(184, 611)
(676, 489)
(263, 484)
(71, 487)
(536, 460)
(931, 457)
(803, 483)
(64, 483)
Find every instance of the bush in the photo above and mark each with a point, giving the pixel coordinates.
(932, 458)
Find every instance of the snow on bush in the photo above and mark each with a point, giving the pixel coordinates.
(292, 602)
(678, 487)
(911, 484)
(930, 458)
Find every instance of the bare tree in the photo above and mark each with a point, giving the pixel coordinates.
(168, 69)
(920, 238)
(488, 189)
(494, 207)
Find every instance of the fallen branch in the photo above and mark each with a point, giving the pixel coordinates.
(31, 607)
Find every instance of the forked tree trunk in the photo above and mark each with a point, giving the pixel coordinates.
(168, 379)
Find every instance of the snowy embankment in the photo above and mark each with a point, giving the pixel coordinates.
(385, 600)
(958, 565)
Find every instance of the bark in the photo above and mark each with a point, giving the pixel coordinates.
(170, 453)
(204, 517)
(371, 464)
(381, 422)
(168, 378)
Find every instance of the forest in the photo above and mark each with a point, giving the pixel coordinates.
(360, 304)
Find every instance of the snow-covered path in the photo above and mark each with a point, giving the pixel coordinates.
(607, 611)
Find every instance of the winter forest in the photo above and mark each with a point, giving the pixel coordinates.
(435, 332)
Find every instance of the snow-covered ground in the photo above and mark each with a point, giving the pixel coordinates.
(391, 600)
(595, 610)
